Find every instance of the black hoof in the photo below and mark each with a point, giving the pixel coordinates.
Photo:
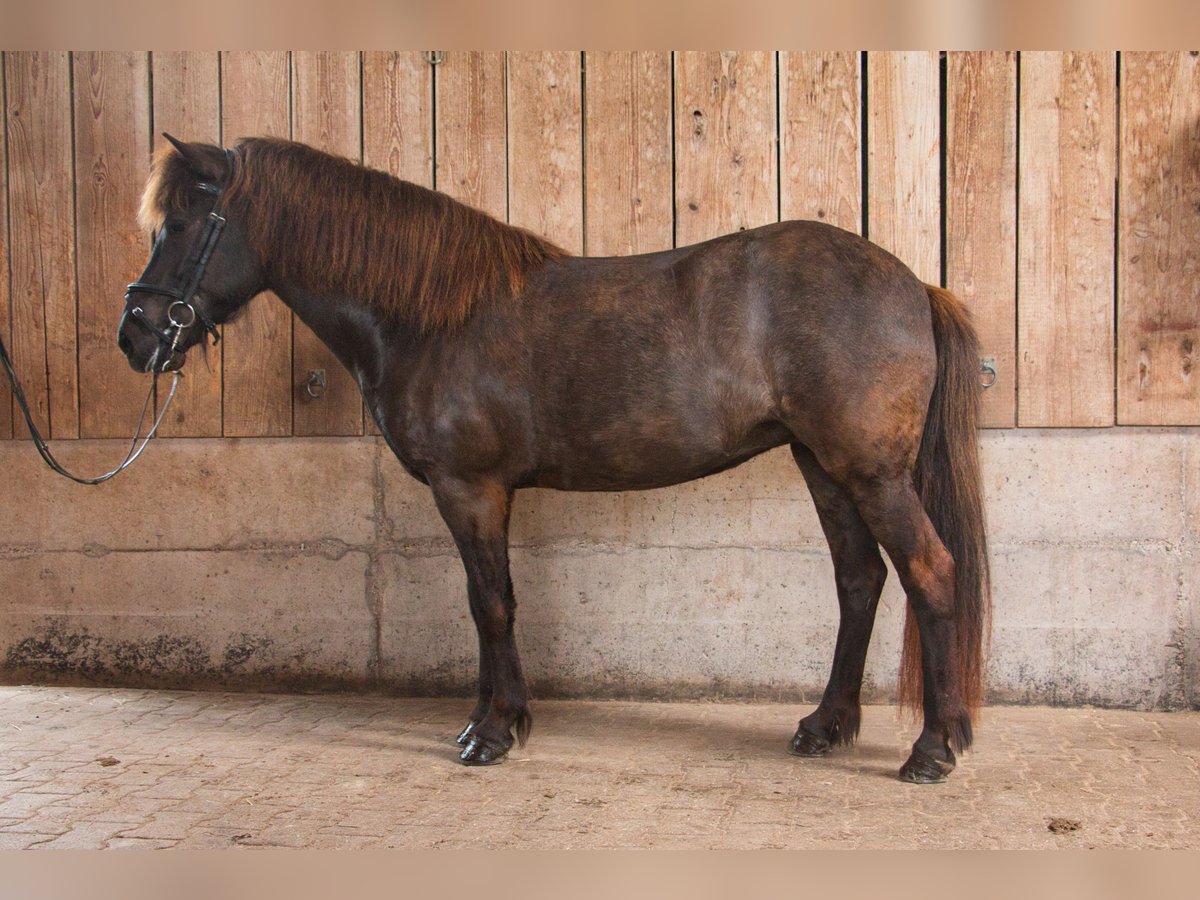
(922, 768)
(482, 752)
(465, 734)
(805, 743)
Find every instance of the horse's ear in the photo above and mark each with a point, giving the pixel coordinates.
(177, 144)
(205, 160)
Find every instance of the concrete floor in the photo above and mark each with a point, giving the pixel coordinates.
(91, 768)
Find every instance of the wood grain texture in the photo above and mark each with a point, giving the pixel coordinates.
(820, 133)
(981, 212)
(627, 158)
(725, 161)
(586, 158)
(1158, 322)
(472, 131)
(903, 165)
(1065, 256)
(325, 115)
(186, 98)
(256, 351)
(41, 252)
(397, 99)
(545, 145)
(8, 404)
(112, 153)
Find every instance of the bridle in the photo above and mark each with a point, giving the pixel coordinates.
(182, 297)
(181, 315)
(201, 252)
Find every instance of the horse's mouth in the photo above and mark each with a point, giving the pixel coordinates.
(165, 360)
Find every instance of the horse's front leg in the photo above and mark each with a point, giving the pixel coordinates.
(476, 512)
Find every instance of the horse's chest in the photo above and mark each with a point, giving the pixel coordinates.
(398, 439)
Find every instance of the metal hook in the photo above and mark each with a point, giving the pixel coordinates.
(315, 386)
(435, 57)
(987, 371)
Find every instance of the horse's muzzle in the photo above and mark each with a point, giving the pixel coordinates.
(144, 349)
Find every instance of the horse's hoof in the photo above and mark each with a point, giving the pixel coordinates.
(921, 768)
(465, 734)
(805, 743)
(481, 752)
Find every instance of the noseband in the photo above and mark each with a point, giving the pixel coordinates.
(182, 313)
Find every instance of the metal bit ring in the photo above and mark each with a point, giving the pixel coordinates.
(176, 322)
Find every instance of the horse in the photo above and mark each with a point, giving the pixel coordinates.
(493, 360)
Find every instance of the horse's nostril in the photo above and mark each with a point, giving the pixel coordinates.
(124, 342)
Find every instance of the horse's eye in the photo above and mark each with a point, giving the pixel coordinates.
(177, 227)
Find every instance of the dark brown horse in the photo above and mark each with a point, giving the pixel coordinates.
(493, 360)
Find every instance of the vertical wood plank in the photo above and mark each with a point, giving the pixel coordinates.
(257, 348)
(903, 163)
(8, 404)
(326, 115)
(471, 160)
(1065, 256)
(187, 105)
(981, 212)
(1158, 324)
(725, 162)
(820, 133)
(112, 153)
(42, 244)
(627, 158)
(397, 99)
(545, 145)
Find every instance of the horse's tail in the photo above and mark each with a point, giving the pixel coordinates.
(949, 483)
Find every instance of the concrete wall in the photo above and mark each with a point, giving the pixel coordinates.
(320, 563)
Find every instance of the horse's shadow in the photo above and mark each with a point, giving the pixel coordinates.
(657, 731)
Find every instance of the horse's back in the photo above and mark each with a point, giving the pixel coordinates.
(658, 368)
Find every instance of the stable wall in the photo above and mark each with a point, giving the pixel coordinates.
(320, 563)
(272, 542)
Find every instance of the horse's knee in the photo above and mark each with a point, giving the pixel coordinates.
(860, 584)
(493, 615)
(492, 601)
(870, 577)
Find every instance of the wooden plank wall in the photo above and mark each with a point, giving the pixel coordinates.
(40, 192)
(725, 143)
(1158, 324)
(1058, 193)
(7, 403)
(1065, 289)
(981, 211)
(627, 153)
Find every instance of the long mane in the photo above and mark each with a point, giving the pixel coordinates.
(342, 229)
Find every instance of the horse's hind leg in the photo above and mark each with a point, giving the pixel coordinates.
(477, 515)
(893, 511)
(860, 573)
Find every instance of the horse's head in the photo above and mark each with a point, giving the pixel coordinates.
(201, 269)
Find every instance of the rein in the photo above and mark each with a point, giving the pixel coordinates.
(181, 315)
(43, 448)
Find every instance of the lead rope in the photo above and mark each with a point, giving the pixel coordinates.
(134, 450)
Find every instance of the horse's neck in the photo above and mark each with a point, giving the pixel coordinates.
(358, 334)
